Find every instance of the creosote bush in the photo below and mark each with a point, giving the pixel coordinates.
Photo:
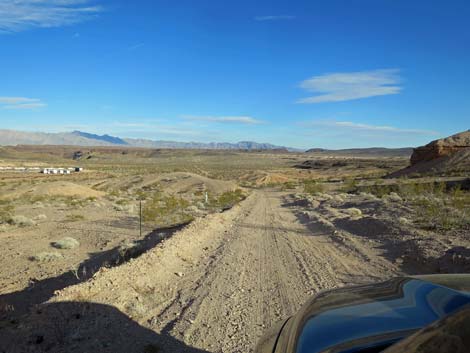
(166, 210)
(229, 198)
(313, 187)
(437, 206)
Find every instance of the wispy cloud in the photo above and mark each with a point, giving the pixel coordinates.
(20, 15)
(136, 46)
(21, 103)
(346, 86)
(348, 126)
(274, 18)
(226, 119)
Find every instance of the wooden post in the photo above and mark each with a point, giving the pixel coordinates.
(140, 218)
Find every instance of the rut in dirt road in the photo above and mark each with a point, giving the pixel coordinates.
(221, 282)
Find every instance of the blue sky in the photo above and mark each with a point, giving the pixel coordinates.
(324, 73)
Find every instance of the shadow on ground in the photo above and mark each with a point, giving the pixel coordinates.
(77, 327)
(18, 303)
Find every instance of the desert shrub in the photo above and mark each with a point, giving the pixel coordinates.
(66, 243)
(46, 257)
(290, 185)
(6, 211)
(437, 209)
(40, 217)
(124, 208)
(74, 217)
(350, 186)
(377, 189)
(230, 198)
(166, 210)
(74, 202)
(393, 197)
(122, 202)
(313, 187)
(353, 212)
(21, 221)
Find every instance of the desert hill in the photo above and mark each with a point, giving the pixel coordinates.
(447, 156)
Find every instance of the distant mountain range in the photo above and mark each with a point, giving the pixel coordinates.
(79, 138)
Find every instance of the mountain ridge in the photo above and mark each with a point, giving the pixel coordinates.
(85, 139)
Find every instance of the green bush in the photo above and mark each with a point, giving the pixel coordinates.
(349, 186)
(166, 210)
(230, 198)
(313, 187)
(6, 211)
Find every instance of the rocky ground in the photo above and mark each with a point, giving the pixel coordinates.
(215, 286)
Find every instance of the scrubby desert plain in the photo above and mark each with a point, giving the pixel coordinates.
(231, 241)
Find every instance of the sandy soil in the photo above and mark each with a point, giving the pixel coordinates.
(213, 287)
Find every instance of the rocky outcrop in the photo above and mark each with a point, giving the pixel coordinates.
(441, 148)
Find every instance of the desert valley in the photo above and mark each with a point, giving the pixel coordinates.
(203, 249)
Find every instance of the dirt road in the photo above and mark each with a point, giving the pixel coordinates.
(221, 282)
(268, 267)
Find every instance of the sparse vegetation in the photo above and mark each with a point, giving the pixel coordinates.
(74, 217)
(437, 206)
(166, 210)
(21, 221)
(228, 199)
(313, 187)
(46, 256)
(349, 186)
(6, 211)
(66, 243)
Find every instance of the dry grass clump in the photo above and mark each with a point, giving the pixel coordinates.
(46, 256)
(124, 208)
(392, 197)
(338, 199)
(21, 221)
(40, 217)
(74, 217)
(66, 243)
(353, 212)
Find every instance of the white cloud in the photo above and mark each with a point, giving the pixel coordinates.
(345, 86)
(20, 15)
(274, 18)
(348, 126)
(21, 103)
(226, 119)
